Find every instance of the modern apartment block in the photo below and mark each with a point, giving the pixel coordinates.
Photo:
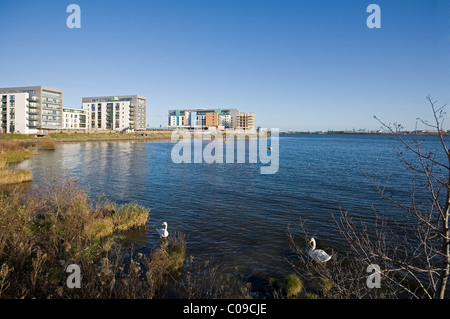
(218, 118)
(74, 119)
(15, 113)
(118, 113)
(30, 109)
(245, 121)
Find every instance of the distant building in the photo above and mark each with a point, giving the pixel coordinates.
(206, 118)
(118, 113)
(74, 118)
(30, 109)
(245, 121)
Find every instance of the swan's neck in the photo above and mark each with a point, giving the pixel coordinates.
(165, 227)
(313, 244)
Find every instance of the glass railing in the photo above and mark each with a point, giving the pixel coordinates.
(51, 95)
(49, 124)
(57, 113)
(53, 107)
(50, 119)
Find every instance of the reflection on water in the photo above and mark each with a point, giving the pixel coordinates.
(231, 213)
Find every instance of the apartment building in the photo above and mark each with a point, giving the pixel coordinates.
(220, 118)
(205, 118)
(117, 113)
(30, 109)
(245, 121)
(16, 114)
(74, 118)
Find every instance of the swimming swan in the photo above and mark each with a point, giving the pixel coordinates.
(317, 254)
(163, 231)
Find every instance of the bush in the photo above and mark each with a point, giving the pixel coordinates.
(47, 143)
(293, 286)
(325, 285)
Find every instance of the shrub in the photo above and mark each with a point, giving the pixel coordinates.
(325, 285)
(47, 143)
(129, 216)
(293, 286)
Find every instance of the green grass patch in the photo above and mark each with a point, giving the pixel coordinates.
(293, 286)
(16, 156)
(9, 136)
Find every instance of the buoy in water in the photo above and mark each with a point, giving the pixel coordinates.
(270, 148)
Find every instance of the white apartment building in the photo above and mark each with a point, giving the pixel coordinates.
(17, 115)
(225, 121)
(74, 118)
(118, 113)
(44, 106)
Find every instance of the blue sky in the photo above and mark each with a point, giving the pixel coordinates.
(299, 65)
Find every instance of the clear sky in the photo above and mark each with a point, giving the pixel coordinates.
(299, 65)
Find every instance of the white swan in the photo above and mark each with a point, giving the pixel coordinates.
(317, 254)
(163, 233)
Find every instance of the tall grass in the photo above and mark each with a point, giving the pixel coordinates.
(47, 143)
(54, 223)
(14, 176)
(203, 280)
(15, 145)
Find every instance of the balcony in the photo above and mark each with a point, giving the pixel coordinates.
(33, 98)
(51, 107)
(52, 101)
(51, 113)
(51, 120)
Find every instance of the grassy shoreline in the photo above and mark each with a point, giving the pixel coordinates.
(81, 137)
(14, 151)
(47, 227)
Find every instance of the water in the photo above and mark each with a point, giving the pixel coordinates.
(231, 213)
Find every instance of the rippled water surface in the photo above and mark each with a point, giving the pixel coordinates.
(231, 213)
